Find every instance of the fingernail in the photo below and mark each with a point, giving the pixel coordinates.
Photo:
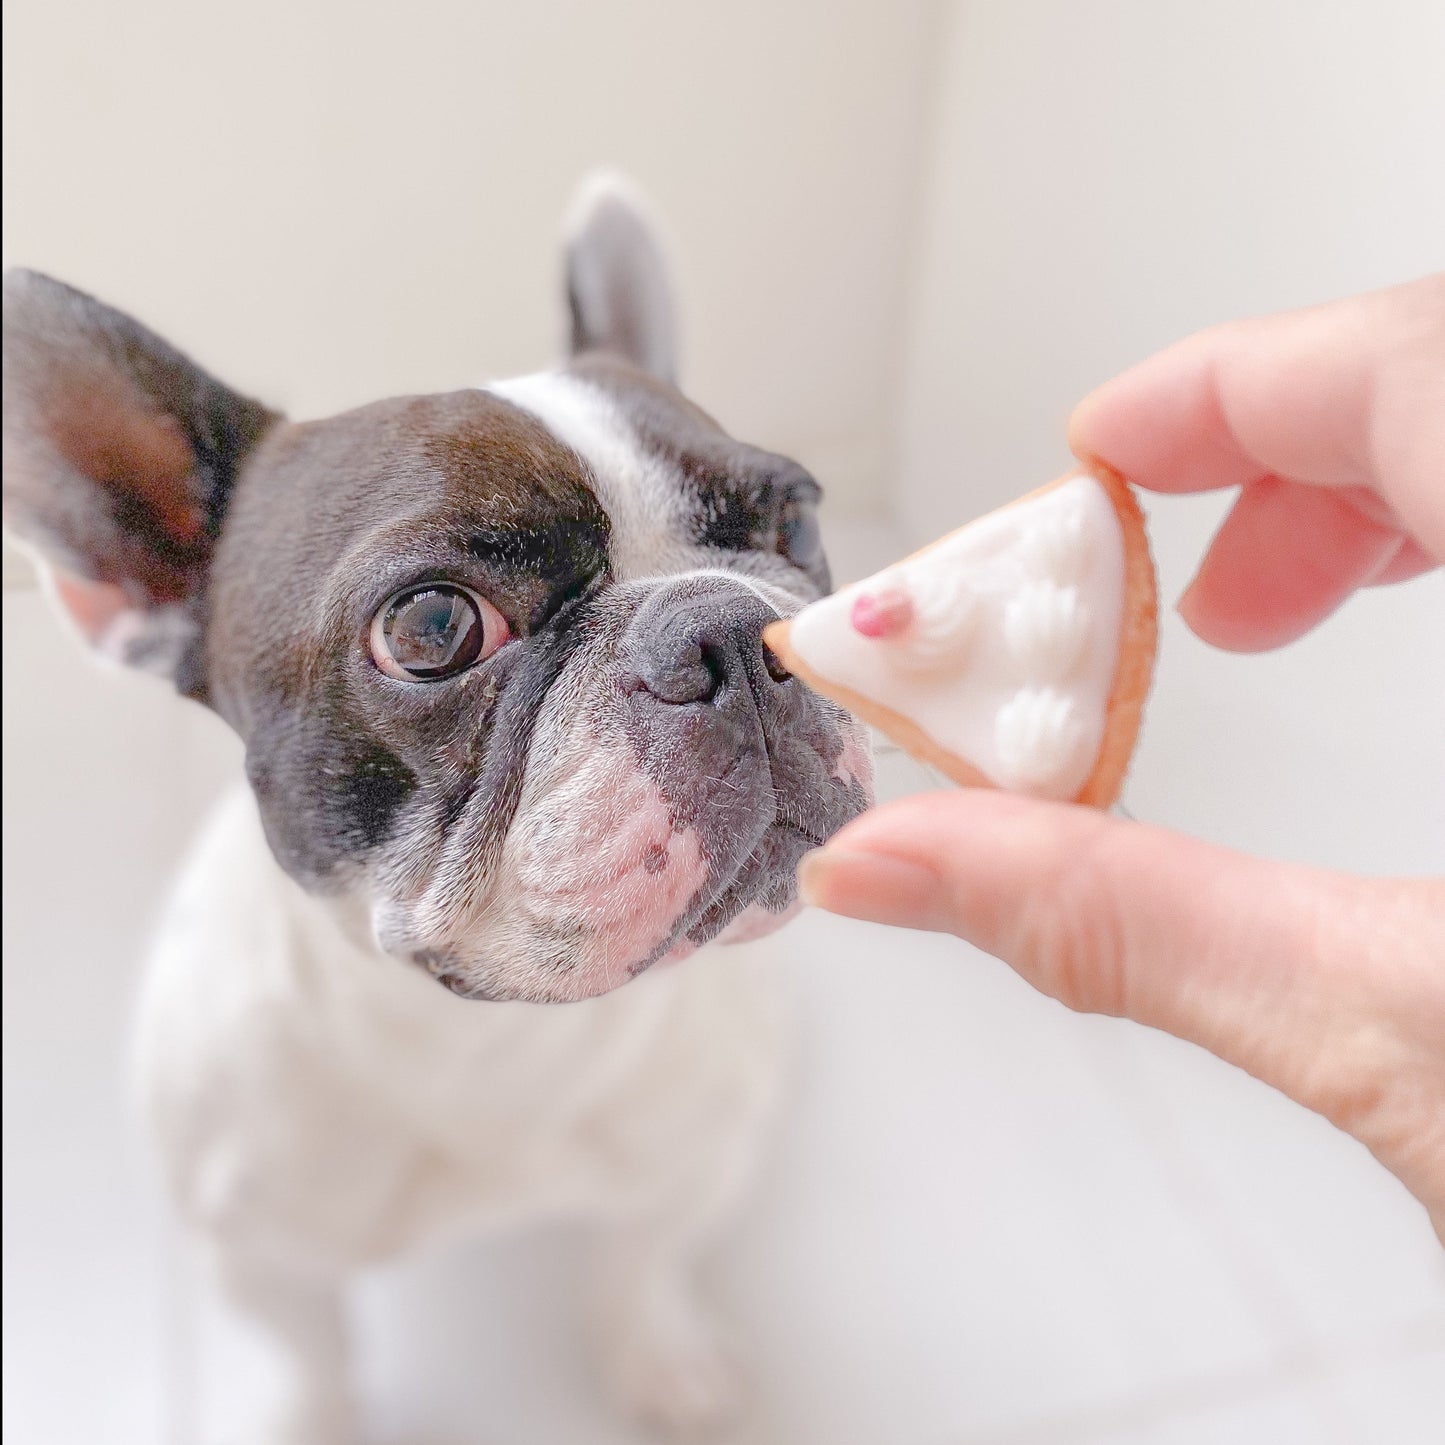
(872, 886)
(1187, 608)
(1078, 427)
(810, 868)
(812, 875)
(826, 875)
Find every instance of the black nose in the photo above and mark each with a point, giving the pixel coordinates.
(705, 646)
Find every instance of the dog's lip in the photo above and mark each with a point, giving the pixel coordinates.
(679, 946)
(807, 834)
(683, 948)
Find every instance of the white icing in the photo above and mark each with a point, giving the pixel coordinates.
(1037, 735)
(945, 612)
(1046, 627)
(1053, 544)
(1010, 657)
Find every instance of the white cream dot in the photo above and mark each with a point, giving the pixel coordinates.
(1045, 626)
(1037, 736)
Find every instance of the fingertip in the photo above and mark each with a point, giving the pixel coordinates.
(1285, 558)
(813, 877)
(1160, 424)
(1409, 561)
(913, 825)
(874, 887)
(1099, 426)
(899, 863)
(1228, 629)
(957, 862)
(1193, 610)
(1243, 634)
(1084, 428)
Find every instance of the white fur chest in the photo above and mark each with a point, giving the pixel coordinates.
(310, 1086)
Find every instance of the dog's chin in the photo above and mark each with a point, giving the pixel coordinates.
(750, 923)
(600, 909)
(755, 902)
(756, 922)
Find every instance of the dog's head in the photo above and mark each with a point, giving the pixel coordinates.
(495, 655)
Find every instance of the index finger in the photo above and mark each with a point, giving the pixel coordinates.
(1347, 394)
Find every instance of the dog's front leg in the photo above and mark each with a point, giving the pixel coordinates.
(662, 1354)
(662, 1359)
(299, 1315)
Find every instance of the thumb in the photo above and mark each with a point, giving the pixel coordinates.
(1319, 983)
(1105, 915)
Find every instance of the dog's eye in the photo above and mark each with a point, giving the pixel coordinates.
(428, 633)
(799, 539)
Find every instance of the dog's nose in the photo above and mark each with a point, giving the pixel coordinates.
(705, 646)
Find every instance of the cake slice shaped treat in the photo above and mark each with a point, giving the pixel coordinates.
(1013, 653)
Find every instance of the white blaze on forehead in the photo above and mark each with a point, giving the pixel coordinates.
(638, 490)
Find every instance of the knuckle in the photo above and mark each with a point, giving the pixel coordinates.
(1072, 941)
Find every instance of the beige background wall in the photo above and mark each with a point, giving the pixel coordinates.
(332, 200)
(909, 235)
(1103, 179)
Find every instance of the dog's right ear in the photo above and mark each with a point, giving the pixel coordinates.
(119, 458)
(618, 289)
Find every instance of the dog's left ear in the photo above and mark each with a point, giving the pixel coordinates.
(120, 454)
(617, 280)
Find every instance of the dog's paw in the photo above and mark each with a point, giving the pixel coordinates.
(676, 1378)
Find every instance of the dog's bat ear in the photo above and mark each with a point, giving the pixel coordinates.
(617, 278)
(119, 458)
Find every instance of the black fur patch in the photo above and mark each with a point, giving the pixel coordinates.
(367, 797)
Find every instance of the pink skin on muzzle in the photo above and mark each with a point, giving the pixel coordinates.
(606, 862)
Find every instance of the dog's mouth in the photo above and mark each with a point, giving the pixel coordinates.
(753, 900)
(759, 896)
(637, 865)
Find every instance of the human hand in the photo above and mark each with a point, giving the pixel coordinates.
(1331, 421)
(1331, 988)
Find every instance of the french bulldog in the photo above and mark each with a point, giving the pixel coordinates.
(515, 749)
